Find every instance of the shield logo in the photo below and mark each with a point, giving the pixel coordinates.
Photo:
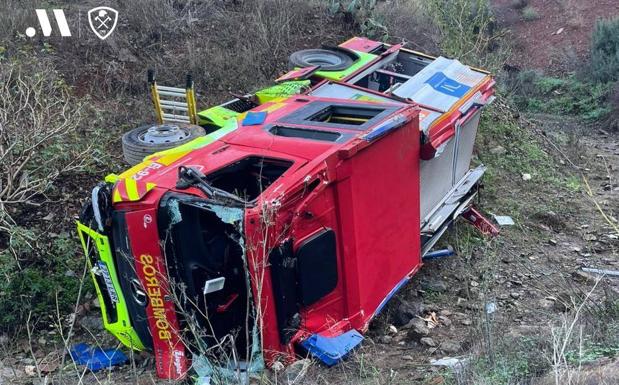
(102, 21)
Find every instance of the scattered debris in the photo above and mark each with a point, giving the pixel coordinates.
(504, 220)
(450, 362)
(490, 307)
(431, 320)
(612, 273)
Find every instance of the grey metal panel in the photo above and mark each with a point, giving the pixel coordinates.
(466, 141)
(418, 89)
(338, 91)
(447, 208)
(436, 179)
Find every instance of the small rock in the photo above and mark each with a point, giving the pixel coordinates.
(576, 249)
(434, 284)
(474, 283)
(450, 347)
(552, 242)
(418, 329)
(526, 177)
(466, 322)
(428, 342)
(408, 358)
(590, 237)
(444, 320)
(91, 322)
(393, 329)
(406, 311)
(296, 371)
(502, 296)
(514, 295)
(385, 340)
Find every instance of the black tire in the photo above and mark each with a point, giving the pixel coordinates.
(327, 59)
(140, 142)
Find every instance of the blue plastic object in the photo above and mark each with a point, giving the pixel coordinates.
(439, 254)
(254, 118)
(96, 358)
(331, 350)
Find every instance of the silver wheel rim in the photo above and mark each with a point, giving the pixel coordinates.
(162, 134)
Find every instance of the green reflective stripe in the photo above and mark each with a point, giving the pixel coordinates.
(364, 58)
(217, 115)
(122, 328)
(282, 90)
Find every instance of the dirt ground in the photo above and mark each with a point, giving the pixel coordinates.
(558, 39)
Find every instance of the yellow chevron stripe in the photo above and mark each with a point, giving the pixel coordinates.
(132, 189)
(116, 196)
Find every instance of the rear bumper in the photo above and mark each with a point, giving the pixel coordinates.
(109, 292)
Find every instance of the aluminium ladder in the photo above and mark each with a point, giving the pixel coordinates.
(178, 106)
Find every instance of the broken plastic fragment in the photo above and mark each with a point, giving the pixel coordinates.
(504, 220)
(331, 350)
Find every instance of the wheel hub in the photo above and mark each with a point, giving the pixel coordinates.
(165, 133)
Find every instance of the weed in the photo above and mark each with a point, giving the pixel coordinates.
(519, 4)
(529, 13)
(34, 269)
(605, 51)
(546, 94)
(468, 31)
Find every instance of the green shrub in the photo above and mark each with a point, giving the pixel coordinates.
(546, 94)
(605, 51)
(40, 274)
(468, 31)
(529, 14)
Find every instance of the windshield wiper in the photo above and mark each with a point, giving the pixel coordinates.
(190, 176)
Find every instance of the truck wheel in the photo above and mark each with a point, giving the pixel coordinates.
(148, 139)
(327, 59)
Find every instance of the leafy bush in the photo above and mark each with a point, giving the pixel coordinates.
(612, 121)
(605, 50)
(362, 14)
(39, 275)
(537, 93)
(468, 31)
(529, 14)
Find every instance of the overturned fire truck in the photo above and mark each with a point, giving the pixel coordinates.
(288, 223)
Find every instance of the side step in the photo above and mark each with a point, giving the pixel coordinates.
(179, 104)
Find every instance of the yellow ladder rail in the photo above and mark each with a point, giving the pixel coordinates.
(172, 104)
